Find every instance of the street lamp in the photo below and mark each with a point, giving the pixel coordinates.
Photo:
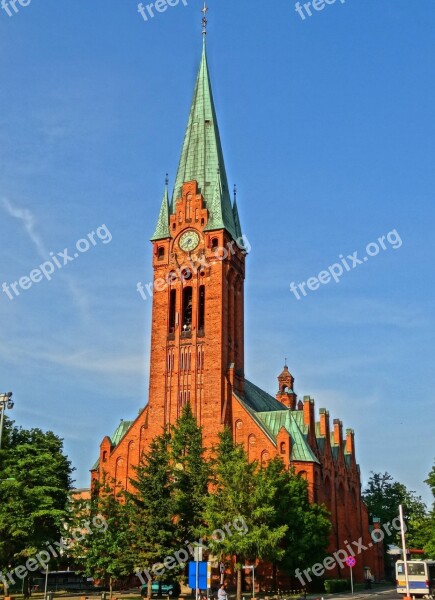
(5, 402)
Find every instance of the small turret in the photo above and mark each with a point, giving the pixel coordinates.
(286, 394)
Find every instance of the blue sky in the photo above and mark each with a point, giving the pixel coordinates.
(328, 130)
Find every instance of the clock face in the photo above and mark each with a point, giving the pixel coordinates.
(189, 240)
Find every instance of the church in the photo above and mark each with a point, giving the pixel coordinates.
(197, 348)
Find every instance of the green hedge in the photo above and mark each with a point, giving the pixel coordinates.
(332, 586)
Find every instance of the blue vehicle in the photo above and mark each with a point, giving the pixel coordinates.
(162, 589)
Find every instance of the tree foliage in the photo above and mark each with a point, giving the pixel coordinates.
(383, 495)
(191, 475)
(424, 527)
(101, 552)
(35, 479)
(308, 524)
(271, 501)
(240, 509)
(152, 507)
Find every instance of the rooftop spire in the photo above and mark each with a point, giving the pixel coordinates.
(202, 158)
(162, 228)
(204, 21)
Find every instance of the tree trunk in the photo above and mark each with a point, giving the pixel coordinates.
(239, 584)
(110, 587)
(274, 570)
(149, 588)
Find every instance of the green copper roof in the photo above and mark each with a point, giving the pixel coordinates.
(271, 416)
(259, 400)
(162, 228)
(120, 431)
(275, 420)
(202, 158)
(117, 436)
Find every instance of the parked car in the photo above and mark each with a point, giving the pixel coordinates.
(161, 589)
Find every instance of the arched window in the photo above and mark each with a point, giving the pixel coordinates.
(264, 458)
(161, 253)
(201, 310)
(105, 456)
(187, 309)
(282, 447)
(214, 243)
(172, 310)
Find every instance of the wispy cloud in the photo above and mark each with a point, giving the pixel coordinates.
(29, 223)
(93, 360)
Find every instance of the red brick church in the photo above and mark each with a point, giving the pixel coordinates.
(197, 346)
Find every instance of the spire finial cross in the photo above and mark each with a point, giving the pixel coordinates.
(167, 180)
(204, 21)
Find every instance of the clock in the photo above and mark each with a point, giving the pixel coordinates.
(189, 240)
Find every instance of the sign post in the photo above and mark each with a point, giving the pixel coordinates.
(222, 571)
(208, 578)
(248, 567)
(351, 562)
(405, 558)
(198, 559)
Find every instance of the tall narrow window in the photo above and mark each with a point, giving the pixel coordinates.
(172, 307)
(187, 309)
(201, 309)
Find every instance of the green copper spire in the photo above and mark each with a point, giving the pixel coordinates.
(202, 158)
(162, 228)
(236, 215)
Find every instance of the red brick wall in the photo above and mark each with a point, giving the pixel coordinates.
(204, 367)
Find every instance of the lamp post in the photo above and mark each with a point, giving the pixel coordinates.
(405, 561)
(5, 402)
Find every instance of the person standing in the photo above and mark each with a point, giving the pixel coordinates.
(222, 593)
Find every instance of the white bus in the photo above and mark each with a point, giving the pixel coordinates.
(421, 576)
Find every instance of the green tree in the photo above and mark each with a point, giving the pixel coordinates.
(383, 495)
(424, 528)
(191, 475)
(101, 552)
(242, 491)
(35, 479)
(308, 524)
(152, 509)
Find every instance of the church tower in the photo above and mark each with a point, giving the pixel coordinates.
(197, 339)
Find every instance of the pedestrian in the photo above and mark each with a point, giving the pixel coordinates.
(222, 593)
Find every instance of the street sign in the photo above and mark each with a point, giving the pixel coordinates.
(351, 561)
(199, 575)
